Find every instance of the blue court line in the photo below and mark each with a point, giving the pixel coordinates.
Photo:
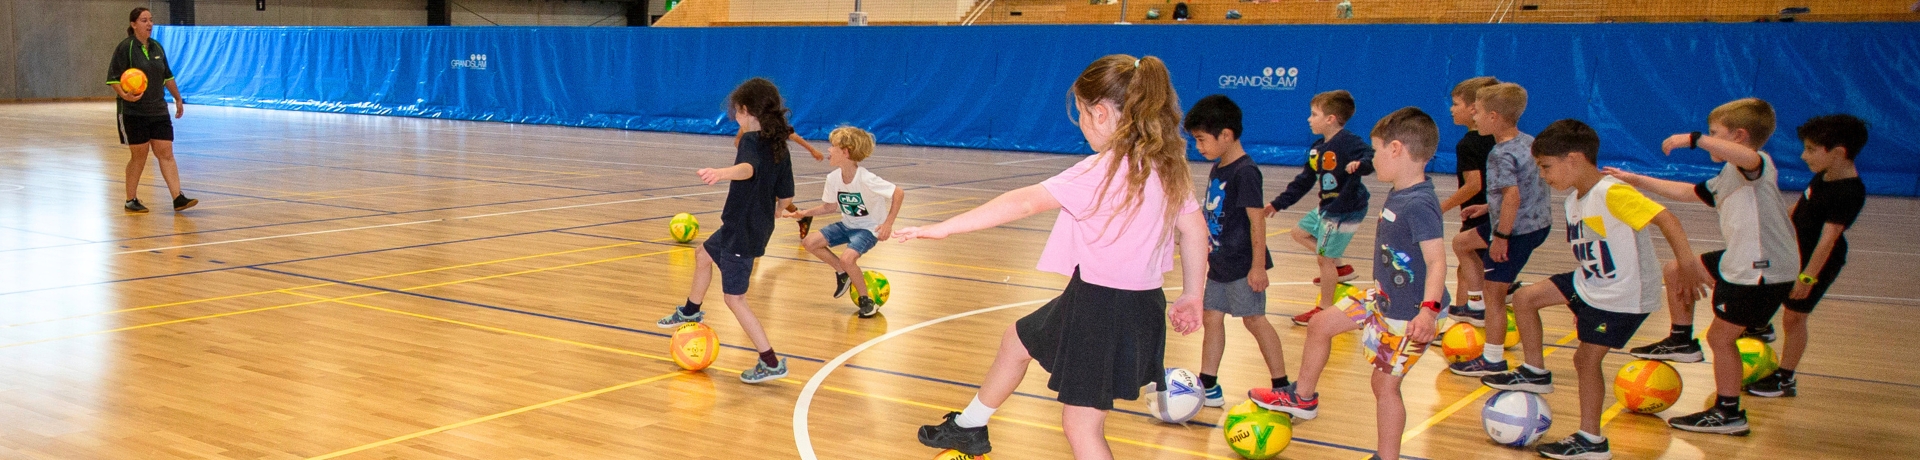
(64, 237)
(1796, 373)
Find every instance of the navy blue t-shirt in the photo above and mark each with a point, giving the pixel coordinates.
(746, 222)
(1232, 188)
(1410, 216)
(1326, 174)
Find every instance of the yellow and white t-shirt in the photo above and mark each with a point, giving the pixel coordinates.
(1619, 271)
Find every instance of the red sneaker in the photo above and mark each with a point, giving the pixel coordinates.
(1303, 318)
(1346, 274)
(1284, 400)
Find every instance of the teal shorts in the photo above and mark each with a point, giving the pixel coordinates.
(1331, 232)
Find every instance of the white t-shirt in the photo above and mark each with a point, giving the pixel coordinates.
(1753, 220)
(1619, 272)
(864, 203)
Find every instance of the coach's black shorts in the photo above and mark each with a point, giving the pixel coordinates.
(137, 129)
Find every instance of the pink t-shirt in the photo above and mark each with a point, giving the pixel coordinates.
(1130, 252)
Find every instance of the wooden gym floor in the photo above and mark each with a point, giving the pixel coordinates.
(376, 287)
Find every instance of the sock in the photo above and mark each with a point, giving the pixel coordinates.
(1533, 370)
(1281, 382)
(690, 308)
(1727, 403)
(1209, 380)
(1785, 374)
(770, 359)
(975, 416)
(1494, 353)
(1475, 301)
(1682, 332)
(1590, 437)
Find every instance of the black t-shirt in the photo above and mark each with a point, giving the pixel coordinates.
(1471, 155)
(1232, 188)
(1825, 202)
(746, 223)
(151, 59)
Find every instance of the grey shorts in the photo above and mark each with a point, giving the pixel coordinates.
(1235, 298)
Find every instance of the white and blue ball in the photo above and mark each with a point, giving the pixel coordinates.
(1516, 418)
(1177, 397)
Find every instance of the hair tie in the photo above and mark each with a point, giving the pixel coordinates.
(1136, 63)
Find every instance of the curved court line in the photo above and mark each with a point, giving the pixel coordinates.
(11, 187)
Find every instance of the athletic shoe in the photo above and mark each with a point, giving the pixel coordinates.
(1715, 420)
(841, 282)
(1303, 318)
(1478, 318)
(1674, 349)
(1576, 447)
(948, 435)
(181, 203)
(134, 206)
(1774, 386)
(1216, 397)
(761, 373)
(1284, 400)
(1764, 333)
(1345, 272)
(1520, 379)
(1477, 367)
(867, 308)
(806, 225)
(675, 319)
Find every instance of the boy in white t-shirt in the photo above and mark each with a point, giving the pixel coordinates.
(866, 204)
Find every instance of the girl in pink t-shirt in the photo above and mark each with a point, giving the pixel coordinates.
(1104, 336)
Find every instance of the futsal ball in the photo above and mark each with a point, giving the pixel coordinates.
(1177, 397)
(1513, 331)
(133, 81)
(1647, 386)
(1756, 360)
(1255, 432)
(951, 454)
(695, 346)
(1516, 418)
(1342, 290)
(1461, 343)
(684, 228)
(877, 288)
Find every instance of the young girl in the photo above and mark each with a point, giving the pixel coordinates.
(1104, 337)
(762, 182)
(806, 223)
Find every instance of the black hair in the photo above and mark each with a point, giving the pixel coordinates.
(1836, 130)
(762, 100)
(1568, 136)
(1213, 115)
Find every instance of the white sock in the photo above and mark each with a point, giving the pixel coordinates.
(1494, 353)
(975, 416)
(1591, 437)
(1475, 301)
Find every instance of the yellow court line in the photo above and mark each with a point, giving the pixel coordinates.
(149, 307)
(1284, 230)
(492, 329)
(1463, 402)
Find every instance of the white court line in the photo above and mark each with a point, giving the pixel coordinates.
(10, 188)
(276, 237)
(1030, 160)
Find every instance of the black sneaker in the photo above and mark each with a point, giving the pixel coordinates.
(1520, 379)
(1715, 420)
(841, 282)
(1773, 386)
(1764, 333)
(867, 308)
(134, 206)
(181, 203)
(947, 435)
(1672, 349)
(1576, 447)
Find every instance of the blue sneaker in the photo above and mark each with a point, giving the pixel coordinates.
(1215, 397)
(675, 319)
(761, 373)
(1477, 367)
(1478, 318)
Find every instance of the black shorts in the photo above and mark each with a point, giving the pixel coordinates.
(1596, 326)
(138, 129)
(1468, 224)
(736, 271)
(1744, 304)
(1099, 343)
(1827, 275)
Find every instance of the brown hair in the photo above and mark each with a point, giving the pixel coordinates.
(1147, 139)
(1469, 89)
(1507, 99)
(135, 17)
(857, 142)
(762, 100)
(1751, 114)
(1338, 103)
(1413, 128)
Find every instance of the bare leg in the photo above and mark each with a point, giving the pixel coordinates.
(850, 261)
(136, 166)
(1313, 355)
(1726, 356)
(1496, 295)
(163, 151)
(1390, 411)
(1270, 345)
(1329, 280)
(1795, 326)
(1213, 341)
(817, 244)
(702, 275)
(1009, 367)
(738, 303)
(1593, 387)
(1086, 430)
(1473, 273)
(1680, 313)
(1526, 315)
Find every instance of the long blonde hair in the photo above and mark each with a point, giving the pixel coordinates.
(1147, 139)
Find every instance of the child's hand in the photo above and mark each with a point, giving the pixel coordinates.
(1185, 313)
(816, 155)
(1693, 282)
(709, 175)
(1473, 211)
(1497, 250)
(1353, 167)
(1270, 211)
(886, 231)
(1682, 140)
(790, 215)
(1257, 279)
(930, 232)
(1421, 329)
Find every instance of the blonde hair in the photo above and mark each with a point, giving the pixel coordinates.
(1507, 99)
(1751, 114)
(1469, 89)
(857, 142)
(1147, 139)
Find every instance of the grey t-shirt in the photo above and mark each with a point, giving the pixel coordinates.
(1511, 165)
(1753, 219)
(1411, 215)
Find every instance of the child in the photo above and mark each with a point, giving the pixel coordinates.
(865, 203)
(1517, 210)
(1616, 287)
(762, 181)
(806, 223)
(1471, 159)
(1397, 320)
(1833, 199)
(1335, 163)
(1752, 277)
(1105, 336)
(1237, 266)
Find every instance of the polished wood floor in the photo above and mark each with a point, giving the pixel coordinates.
(374, 287)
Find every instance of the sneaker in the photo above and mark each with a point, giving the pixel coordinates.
(1672, 349)
(1216, 397)
(1715, 420)
(134, 206)
(1478, 318)
(1764, 333)
(1773, 386)
(840, 283)
(1520, 379)
(1477, 367)
(1576, 447)
(1345, 272)
(867, 308)
(1303, 318)
(675, 319)
(761, 373)
(947, 435)
(806, 225)
(1284, 400)
(181, 203)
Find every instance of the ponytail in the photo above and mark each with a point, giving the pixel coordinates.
(1147, 138)
(762, 100)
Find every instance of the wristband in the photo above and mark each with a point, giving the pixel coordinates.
(1430, 305)
(1504, 236)
(1694, 143)
(1809, 279)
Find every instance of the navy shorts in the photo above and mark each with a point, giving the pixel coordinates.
(736, 271)
(1519, 249)
(1599, 327)
(1744, 304)
(859, 240)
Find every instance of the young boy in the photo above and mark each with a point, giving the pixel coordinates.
(1398, 318)
(1517, 210)
(1833, 199)
(1470, 158)
(1616, 287)
(1335, 163)
(865, 203)
(1237, 265)
(1753, 276)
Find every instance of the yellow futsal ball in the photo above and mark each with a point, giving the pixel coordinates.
(1756, 360)
(1339, 291)
(134, 82)
(951, 454)
(694, 346)
(683, 228)
(1513, 332)
(1255, 432)
(1461, 343)
(1647, 386)
(877, 288)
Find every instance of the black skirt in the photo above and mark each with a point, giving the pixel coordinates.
(1099, 343)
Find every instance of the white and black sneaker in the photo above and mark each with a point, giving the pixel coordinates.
(1773, 386)
(1764, 333)
(1672, 348)
(1576, 447)
(841, 282)
(867, 307)
(1715, 420)
(1521, 379)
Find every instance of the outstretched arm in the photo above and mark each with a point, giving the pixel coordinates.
(1672, 190)
(1008, 207)
(803, 143)
(1732, 152)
